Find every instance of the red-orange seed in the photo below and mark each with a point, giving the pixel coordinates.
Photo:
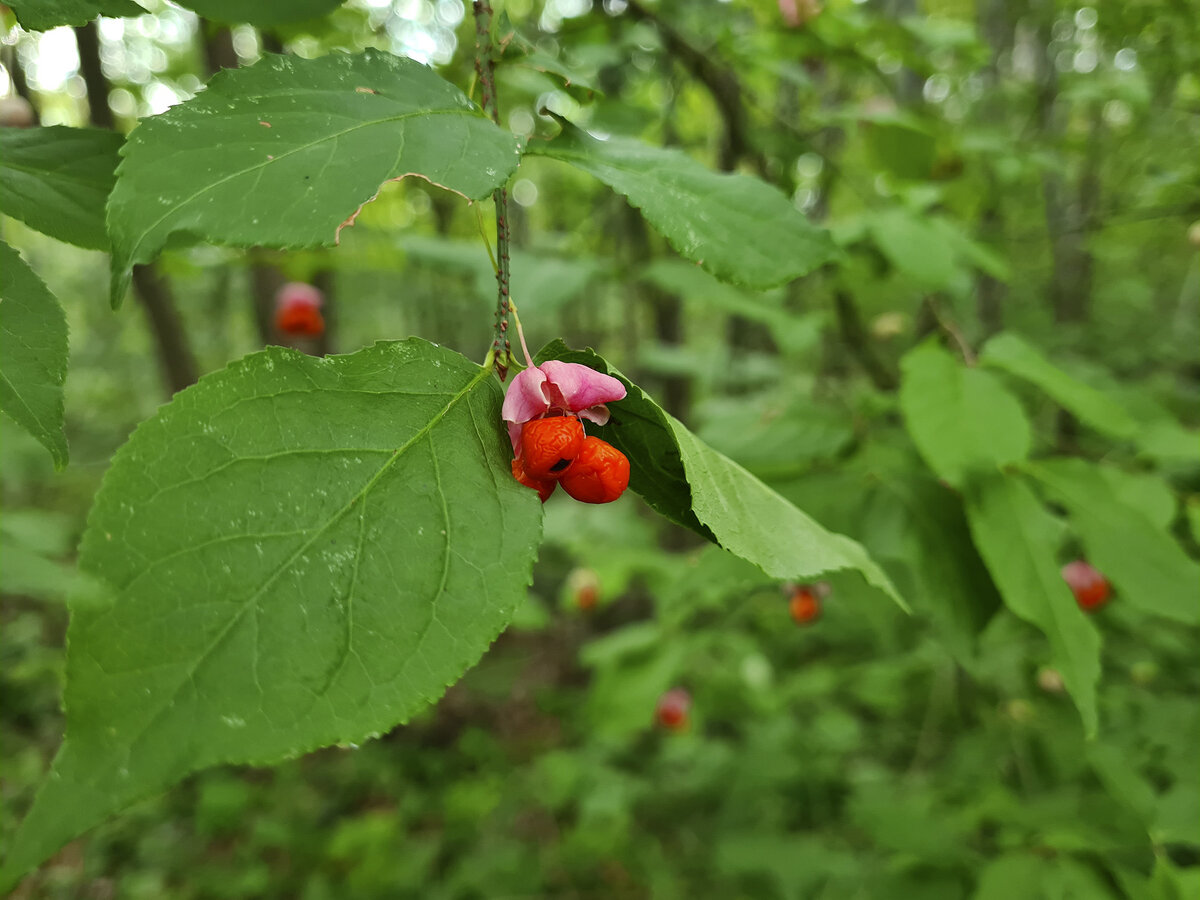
(543, 487)
(599, 474)
(549, 445)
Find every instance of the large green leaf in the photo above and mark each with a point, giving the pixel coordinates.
(1017, 357)
(261, 12)
(40, 15)
(694, 485)
(1147, 565)
(57, 180)
(33, 354)
(1018, 539)
(299, 552)
(960, 418)
(283, 153)
(737, 227)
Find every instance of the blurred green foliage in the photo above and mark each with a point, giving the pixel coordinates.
(982, 167)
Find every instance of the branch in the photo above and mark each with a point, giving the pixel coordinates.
(724, 86)
(485, 71)
(950, 328)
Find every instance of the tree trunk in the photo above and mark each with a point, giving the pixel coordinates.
(176, 360)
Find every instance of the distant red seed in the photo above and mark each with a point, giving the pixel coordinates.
(804, 606)
(1090, 587)
(672, 710)
(300, 319)
(599, 473)
(548, 446)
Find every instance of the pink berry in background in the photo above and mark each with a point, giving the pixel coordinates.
(1091, 589)
(672, 710)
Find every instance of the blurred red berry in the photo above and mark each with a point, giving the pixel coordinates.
(1091, 589)
(804, 605)
(583, 589)
(298, 310)
(672, 710)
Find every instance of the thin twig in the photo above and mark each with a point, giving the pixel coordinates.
(485, 72)
(722, 84)
(950, 327)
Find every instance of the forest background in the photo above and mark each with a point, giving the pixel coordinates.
(1011, 193)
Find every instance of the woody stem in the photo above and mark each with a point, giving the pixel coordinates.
(485, 71)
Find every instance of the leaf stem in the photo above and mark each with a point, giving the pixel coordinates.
(951, 329)
(520, 333)
(485, 71)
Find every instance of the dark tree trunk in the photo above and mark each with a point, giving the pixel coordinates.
(176, 360)
(996, 20)
(8, 53)
(175, 357)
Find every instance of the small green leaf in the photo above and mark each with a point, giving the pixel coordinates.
(299, 552)
(915, 246)
(56, 180)
(960, 418)
(1017, 357)
(693, 485)
(916, 529)
(261, 12)
(791, 331)
(1147, 565)
(900, 144)
(737, 227)
(283, 154)
(33, 354)
(1018, 540)
(42, 15)
(520, 51)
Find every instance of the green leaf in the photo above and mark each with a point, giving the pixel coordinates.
(1147, 565)
(56, 180)
(900, 144)
(1018, 540)
(1123, 781)
(1015, 356)
(283, 154)
(520, 51)
(916, 529)
(41, 15)
(33, 354)
(737, 227)
(261, 12)
(300, 552)
(915, 246)
(791, 331)
(693, 485)
(960, 418)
